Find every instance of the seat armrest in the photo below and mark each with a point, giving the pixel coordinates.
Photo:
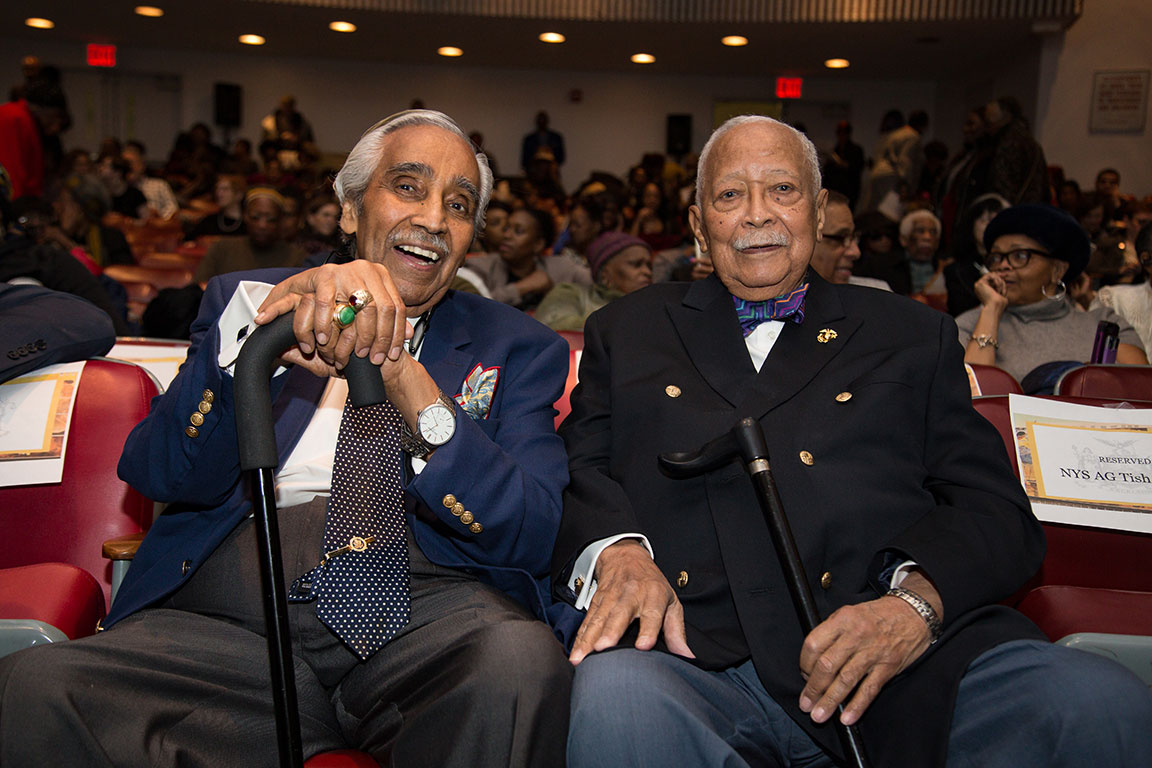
(122, 547)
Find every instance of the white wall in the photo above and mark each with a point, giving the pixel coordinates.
(1111, 34)
(620, 117)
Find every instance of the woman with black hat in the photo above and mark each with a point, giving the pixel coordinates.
(1025, 318)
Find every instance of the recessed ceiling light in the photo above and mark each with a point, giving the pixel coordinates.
(39, 23)
(734, 40)
(150, 11)
(643, 58)
(342, 26)
(450, 50)
(552, 37)
(251, 39)
(836, 63)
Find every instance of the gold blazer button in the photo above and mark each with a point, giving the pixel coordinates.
(204, 406)
(207, 396)
(466, 517)
(476, 528)
(843, 397)
(682, 579)
(826, 580)
(807, 458)
(191, 431)
(448, 501)
(672, 390)
(196, 418)
(457, 509)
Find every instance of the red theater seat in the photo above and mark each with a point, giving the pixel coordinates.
(1113, 382)
(67, 522)
(994, 381)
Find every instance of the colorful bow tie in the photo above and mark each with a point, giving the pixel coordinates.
(753, 313)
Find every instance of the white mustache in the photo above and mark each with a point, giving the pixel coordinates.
(759, 240)
(416, 237)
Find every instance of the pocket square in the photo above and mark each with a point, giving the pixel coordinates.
(476, 393)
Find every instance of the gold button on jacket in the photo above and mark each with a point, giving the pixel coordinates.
(682, 579)
(196, 418)
(806, 457)
(466, 517)
(843, 397)
(448, 501)
(826, 580)
(191, 431)
(207, 396)
(476, 528)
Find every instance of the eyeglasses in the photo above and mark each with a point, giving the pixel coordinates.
(845, 240)
(1016, 258)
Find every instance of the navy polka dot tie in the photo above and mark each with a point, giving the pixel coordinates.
(363, 590)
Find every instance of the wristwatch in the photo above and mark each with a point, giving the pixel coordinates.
(435, 426)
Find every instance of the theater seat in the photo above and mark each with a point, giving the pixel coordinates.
(1113, 382)
(1062, 610)
(993, 381)
(341, 758)
(51, 568)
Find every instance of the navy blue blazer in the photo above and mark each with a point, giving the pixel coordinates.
(508, 469)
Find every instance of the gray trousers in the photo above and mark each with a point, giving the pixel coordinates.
(473, 680)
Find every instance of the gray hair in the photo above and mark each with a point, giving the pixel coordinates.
(811, 159)
(909, 222)
(353, 179)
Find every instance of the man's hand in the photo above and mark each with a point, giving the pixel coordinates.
(866, 644)
(630, 586)
(378, 331)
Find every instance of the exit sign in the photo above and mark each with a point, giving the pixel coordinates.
(789, 87)
(101, 55)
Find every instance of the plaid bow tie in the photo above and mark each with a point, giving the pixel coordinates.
(753, 313)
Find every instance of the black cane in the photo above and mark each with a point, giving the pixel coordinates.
(258, 455)
(746, 441)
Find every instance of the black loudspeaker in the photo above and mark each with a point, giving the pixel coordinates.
(227, 105)
(679, 134)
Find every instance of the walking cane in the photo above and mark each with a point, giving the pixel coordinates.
(746, 441)
(258, 456)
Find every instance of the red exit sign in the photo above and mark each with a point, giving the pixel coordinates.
(789, 87)
(101, 55)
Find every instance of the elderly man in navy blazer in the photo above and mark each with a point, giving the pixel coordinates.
(909, 522)
(474, 677)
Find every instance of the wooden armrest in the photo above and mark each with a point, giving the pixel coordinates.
(123, 547)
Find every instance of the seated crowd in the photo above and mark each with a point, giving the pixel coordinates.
(468, 585)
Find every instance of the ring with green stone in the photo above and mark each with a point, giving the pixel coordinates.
(343, 315)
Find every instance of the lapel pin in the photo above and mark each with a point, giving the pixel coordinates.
(826, 335)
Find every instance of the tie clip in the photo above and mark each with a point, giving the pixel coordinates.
(355, 544)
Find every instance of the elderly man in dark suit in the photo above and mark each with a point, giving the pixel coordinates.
(907, 517)
(443, 660)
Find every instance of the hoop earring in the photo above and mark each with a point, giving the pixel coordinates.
(1061, 291)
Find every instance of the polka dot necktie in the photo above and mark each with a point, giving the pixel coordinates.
(363, 587)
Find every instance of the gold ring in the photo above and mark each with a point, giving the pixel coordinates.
(343, 315)
(360, 299)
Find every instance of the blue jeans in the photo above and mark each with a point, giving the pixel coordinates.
(1022, 704)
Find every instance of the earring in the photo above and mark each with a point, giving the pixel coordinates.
(1061, 291)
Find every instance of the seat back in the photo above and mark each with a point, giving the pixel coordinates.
(993, 381)
(69, 521)
(1113, 382)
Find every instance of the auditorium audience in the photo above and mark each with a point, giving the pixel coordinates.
(1017, 170)
(523, 271)
(263, 246)
(127, 199)
(618, 263)
(1134, 302)
(229, 219)
(967, 252)
(80, 204)
(321, 217)
(1026, 319)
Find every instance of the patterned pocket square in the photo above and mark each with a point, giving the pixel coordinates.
(476, 393)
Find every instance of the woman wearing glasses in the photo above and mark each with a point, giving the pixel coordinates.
(1025, 318)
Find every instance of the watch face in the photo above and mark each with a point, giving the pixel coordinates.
(437, 424)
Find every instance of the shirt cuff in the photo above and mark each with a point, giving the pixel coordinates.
(236, 322)
(585, 566)
(900, 573)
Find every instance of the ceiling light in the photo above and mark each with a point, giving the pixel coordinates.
(39, 23)
(150, 11)
(643, 58)
(342, 26)
(734, 40)
(450, 50)
(251, 39)
(836, 63)
(552, 37)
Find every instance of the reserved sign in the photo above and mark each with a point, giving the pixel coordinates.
(1085, 465)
